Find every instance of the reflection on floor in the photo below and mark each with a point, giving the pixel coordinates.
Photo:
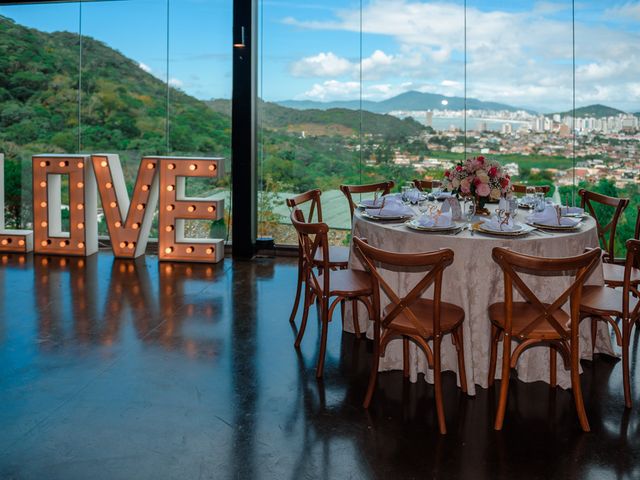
(134, 369)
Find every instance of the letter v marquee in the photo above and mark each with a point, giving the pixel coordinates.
(129, 223)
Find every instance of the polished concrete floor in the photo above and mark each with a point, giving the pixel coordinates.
(115, 369)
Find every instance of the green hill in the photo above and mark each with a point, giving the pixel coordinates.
(597, 111)
(122, 108)
(340, 121)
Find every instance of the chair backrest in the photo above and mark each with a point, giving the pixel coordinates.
(348, 190)
(636, 234)
(312, 237)
(313, 198)
(433, 262)
(632, 261)
(587, 200)
(513, 264)
(520, 188)
(424, 185)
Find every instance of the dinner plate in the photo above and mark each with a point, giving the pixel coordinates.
(560, 228)
(519, 230)
(373, 216)
(413, 224)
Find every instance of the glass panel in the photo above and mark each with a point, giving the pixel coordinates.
(519, 88)
(309, 121)
(39, 53)
(607, 95)
(200, 69)
(413, 83)
(124, 83)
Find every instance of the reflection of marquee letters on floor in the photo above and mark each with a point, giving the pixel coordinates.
(128, 221)
(20, 241)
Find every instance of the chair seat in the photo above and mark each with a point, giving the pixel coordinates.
(338, 256)
(523, 314)
(614, 274)
(604, 301)
(450, 317)
(348, 283)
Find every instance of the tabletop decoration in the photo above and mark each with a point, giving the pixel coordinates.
(484, 179)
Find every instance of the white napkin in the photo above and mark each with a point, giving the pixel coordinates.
(441, 219)
(392, 209)
(494, 224)
(390, 199)
(571, 210)
(443, 195)
(549, 217)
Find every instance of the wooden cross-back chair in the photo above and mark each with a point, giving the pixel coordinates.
(522, 189)
(614, 272)
(338, 256)
(587, 201)
(623, 304)
(411, 317)
(424, 185)
(323, 283)
(349, 190)
(533, 322)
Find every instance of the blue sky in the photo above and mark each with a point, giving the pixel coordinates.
(518, 52)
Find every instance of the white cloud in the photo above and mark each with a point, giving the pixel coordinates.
(175, 82)
(332, 90)
(523, 57)
(627, 11)
(321, 65)
(145, 67)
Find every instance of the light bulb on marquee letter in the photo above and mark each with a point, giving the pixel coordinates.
(12, 240)
(175, 208)
(47, 205)
(129, 222)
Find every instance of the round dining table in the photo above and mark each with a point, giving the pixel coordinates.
(473, 282)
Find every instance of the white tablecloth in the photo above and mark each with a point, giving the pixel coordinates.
(474, 281)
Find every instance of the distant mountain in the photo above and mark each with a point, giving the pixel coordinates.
(333, 121)
(405, 101)
(597, 111)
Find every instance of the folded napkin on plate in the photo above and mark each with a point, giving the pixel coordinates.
(549, 217)
(494, 224)
(440, 219)
(443, 195)
(392, 210)
(392, 198)
(571, 210)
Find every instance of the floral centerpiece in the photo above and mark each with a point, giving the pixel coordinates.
(482, 178)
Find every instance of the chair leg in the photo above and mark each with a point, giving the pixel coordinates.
(308, 299)
(462, 373)
(553, 357)
(405, 357)
(504, 383)
(324, 314)
(373, 374)
(577, 389)
(437, 381)
(493, 355)
(296, 302)
(626, 333)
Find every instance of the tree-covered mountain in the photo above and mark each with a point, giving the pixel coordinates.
(122, 106)
(338, 121)
(411, 100)
(597, 111)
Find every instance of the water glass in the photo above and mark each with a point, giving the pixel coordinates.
(512, 207)
(530, 194)
(405, 193)
(468, 208)
(540, 203)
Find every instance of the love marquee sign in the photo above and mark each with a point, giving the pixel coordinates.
(160, 180)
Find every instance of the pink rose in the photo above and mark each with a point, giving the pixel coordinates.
(483, 190)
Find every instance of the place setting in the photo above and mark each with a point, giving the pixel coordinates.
(557, 218)
(386, 208)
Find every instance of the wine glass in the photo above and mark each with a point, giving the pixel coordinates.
(540, 203)
(468, 209)
(512, 207)
(530, 194)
